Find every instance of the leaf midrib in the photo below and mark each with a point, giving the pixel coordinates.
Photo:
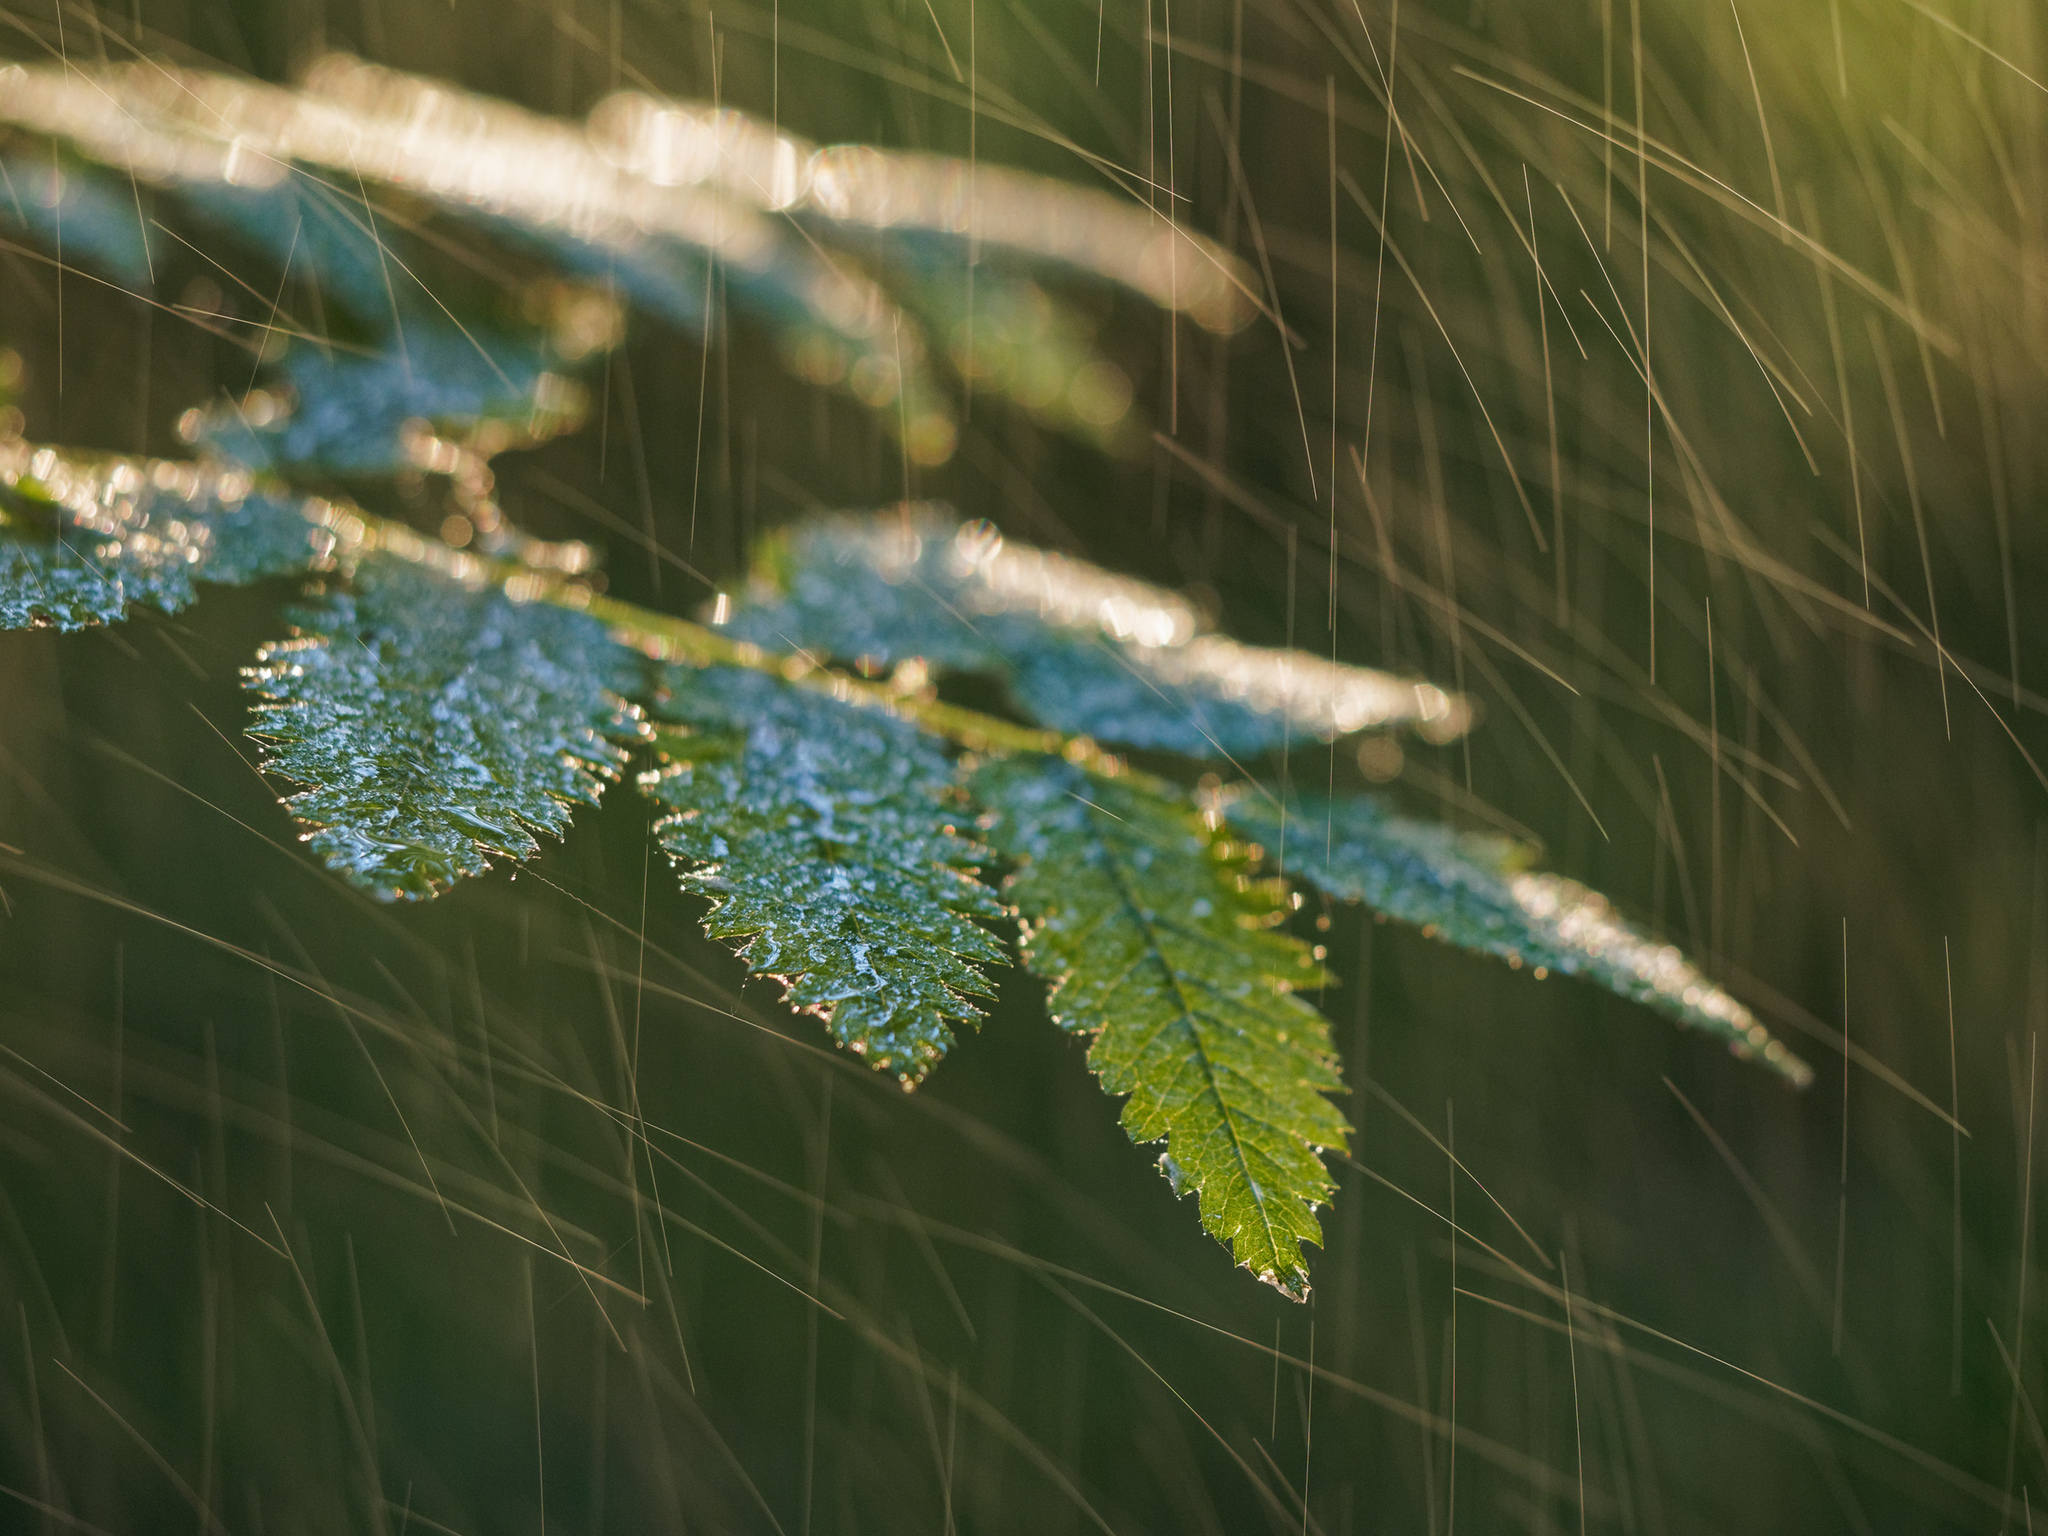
(1125, 894)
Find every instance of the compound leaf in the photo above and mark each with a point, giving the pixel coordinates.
(1474, 891)
(825, 836)
(1158, 946)
(437, 727)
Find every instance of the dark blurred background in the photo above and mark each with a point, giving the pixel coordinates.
(322, 1216)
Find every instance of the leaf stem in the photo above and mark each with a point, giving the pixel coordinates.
(666, 637)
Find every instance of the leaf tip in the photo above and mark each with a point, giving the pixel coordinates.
(1293, 1284)
(1176, 1176)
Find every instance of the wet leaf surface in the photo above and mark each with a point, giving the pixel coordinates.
(1158, 946)
(436, 728)
(1472, 890)
(824, 835)
(347, 413)
(1082, 650)
(858, 589)
(82, 539)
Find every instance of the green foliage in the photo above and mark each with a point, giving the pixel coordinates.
(1007, 337)
(1475, 891)
(349, 413)
(1080, 650)
(436, 727)
(825, 837)
(883, 590)
(440, 711)
(630, 200)
(1159, 946)
(82, 539)
(1668, 380)
(436, 724)
(316, 227)
(872, 590)
(86, 212)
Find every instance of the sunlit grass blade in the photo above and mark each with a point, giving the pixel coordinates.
(826, 837)
(1159, 947)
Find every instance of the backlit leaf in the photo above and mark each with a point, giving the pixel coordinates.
(82, 538)
(1082, 650)
(79, 211)
(1160, 949)
(1473, 891)
(824, 836)
(348, 414)
(436, 728)
(318, 229)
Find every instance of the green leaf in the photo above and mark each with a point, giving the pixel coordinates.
(848, 188)
(348, 414)
(867, 589)
(436, 727)
(1474, 891)
(824, 835)
(81, 539)
(1082, 650)
(1159, 947)
(76, 211)
(317, 226)
(1008, 337)
(288, 168)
